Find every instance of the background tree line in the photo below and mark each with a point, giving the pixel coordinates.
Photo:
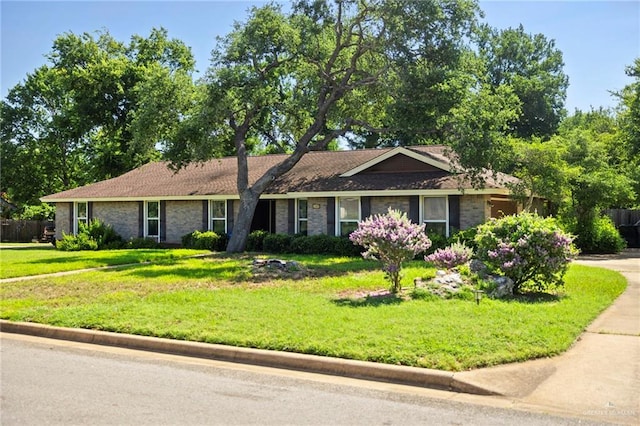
(318, 74)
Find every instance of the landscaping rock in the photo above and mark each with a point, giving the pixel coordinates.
(478, 267)
(503, 287)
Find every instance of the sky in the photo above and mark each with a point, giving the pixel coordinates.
(598, 39)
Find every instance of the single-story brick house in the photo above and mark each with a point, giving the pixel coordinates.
(325, 193)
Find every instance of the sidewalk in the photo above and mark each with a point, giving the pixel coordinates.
(598, 379)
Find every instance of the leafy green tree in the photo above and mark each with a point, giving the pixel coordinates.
(298, 81)
(533, 67)
(629, 121)
(542, 170)
(596, 180)
(95, 111)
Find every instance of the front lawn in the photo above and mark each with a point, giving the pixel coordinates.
(45, 259)
(217, 300)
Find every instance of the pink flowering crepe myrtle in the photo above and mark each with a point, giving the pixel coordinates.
(392, 239)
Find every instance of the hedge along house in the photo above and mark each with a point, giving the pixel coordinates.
(325, 193)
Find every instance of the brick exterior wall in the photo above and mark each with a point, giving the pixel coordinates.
(282, 216)
(474, 210)
(317, 221)
(122, 215)
(183, 217)
(64, 211)
(380, 205)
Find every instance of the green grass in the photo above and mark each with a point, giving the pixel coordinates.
(215, 300)
(45, 259)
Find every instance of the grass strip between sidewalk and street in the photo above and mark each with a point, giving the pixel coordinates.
(218, 300)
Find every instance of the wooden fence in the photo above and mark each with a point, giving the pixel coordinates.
(623, 216)
(22, 231)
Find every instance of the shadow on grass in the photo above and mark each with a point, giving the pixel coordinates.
(29, 248)
(221, 273)
(369, 301)
(535, 297)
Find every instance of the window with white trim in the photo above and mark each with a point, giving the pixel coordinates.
(435, 215)
(152, 220)
(348, 215)
(302, 216)
(218, 216)
(82, 215)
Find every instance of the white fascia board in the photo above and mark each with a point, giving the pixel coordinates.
(399, 150)
(149, 198)
(294, 195)
(400, 192)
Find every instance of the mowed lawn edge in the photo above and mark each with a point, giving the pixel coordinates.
(217, 300)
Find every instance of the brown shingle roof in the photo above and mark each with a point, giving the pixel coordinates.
(315, 172)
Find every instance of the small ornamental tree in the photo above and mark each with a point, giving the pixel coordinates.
(392, 239)
(533, 251)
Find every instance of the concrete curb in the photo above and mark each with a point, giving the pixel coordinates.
(412, 376)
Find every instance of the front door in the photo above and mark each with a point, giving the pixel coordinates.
(264, 219)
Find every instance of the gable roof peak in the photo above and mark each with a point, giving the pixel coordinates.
(422, 157)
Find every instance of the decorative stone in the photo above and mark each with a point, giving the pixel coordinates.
(478, 267)
(503, 287)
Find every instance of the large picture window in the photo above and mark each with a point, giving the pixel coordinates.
(302, 213)
(435, 214)
(82, 215)
(348, 214)
(218, 213)
(152, 221)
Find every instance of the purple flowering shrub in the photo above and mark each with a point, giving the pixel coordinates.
(392, 239)
(531, 250)
(449, 257)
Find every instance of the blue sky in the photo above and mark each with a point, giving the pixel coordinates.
(597, 38)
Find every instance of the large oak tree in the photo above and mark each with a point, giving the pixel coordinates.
(299, 80)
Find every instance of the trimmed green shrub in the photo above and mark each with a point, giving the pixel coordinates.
(466, 237)
(102, 233)
(599, 236)
(438, 241)
(277, 243)
(95, 236)
(76, 243)
(207, 240)
(532, 251)
(344, 247)
(255, 240)
(143, 243)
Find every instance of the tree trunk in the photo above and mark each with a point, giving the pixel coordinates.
(242, 224)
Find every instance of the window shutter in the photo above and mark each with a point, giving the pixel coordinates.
(140, 219)
(454, 212)
(365, 207)
(205, 215)
(72, 219)
(291, 219)
(414, 209)
(229, 216)
(331, 216)
(163, 220)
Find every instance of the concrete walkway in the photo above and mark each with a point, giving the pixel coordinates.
(598, 379)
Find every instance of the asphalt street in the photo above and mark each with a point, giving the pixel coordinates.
(46, 381)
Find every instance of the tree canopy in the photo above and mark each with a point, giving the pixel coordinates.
(89, 113)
